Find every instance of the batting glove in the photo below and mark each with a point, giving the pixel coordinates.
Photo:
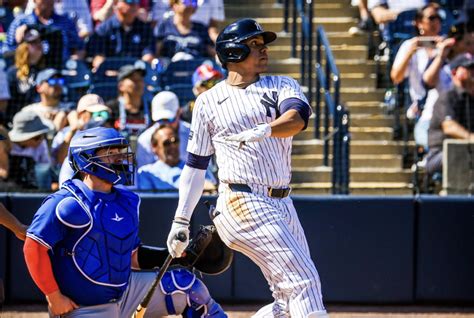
(251, 135)
(175, 246)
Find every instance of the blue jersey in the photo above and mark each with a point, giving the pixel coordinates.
(91, 237)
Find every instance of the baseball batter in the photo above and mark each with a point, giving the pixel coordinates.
(248, 121)
(83, 242)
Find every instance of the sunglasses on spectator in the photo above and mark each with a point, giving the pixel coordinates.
(209, 83)
(171, 141)
(434, 17)
(102, 115)
(56, 81)
(165, 121)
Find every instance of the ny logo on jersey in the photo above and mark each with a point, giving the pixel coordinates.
(270, 102)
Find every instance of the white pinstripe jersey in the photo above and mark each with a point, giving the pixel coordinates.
(226, 110)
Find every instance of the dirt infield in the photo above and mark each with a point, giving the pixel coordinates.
(336, 311)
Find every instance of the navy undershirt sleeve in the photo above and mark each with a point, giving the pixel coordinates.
(198, 162)
(300, 106)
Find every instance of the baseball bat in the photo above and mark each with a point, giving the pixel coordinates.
(141, 309)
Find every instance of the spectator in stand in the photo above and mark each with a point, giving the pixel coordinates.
(101, 10)
(209, 13)
(90, 112)
(164, 110)
(9, 10)
(164, 174)
(4, 96)
(437, 77)
(415, 54)
(204, 77)
(22, 76)
(26, 161)
(49, 85)
(77, 10)
(365, 23)
(181, 39)
(452, 112)
(384, 11)
(131, 109)
(123, 34)
(44, 15)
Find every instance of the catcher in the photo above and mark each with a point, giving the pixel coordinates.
(83, 242)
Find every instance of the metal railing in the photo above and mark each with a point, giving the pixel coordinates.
(302, 11)
(327, 85)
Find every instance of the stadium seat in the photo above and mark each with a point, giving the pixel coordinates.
(180, 72)
(78, 79)
(107, 71)
(105, 90)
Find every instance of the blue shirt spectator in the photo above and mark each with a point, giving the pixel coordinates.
(165, 173)
(123, 34)
(164, 110)
(196, 43)
(72, 44)
(162, 177)
(6, 17)
(145, 154)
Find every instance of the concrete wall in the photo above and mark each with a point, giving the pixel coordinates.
(366, 249)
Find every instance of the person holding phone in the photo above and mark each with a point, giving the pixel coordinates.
(414, 57)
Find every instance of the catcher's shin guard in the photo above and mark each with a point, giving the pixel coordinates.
(200, 302)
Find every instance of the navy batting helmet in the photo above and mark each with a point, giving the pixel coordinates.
(229, 44)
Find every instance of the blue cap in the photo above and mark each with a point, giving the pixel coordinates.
(46, 74)
(131, 1)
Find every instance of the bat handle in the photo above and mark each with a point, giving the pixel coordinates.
(181, 237)
(140, 312)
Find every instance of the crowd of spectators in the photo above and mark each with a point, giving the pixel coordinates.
(428, 47)
(41, 39)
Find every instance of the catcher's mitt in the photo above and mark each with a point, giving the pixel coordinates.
(207, 253)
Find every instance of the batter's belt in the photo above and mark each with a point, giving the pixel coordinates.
(272, 192)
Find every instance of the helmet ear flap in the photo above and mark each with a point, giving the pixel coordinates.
(232, 52)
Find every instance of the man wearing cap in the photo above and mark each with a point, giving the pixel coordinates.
(26, 163)
(90, 112)
(49, 85)
(123, 34)
(44, 15)
(451, 112)
(131, 109)
(164, 110)
(163, 175)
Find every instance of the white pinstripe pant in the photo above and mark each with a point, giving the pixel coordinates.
(268, 231)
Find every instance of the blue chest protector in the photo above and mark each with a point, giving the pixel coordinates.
(103, 232)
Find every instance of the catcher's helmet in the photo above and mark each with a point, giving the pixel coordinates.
(229, 46)
(114, 168)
